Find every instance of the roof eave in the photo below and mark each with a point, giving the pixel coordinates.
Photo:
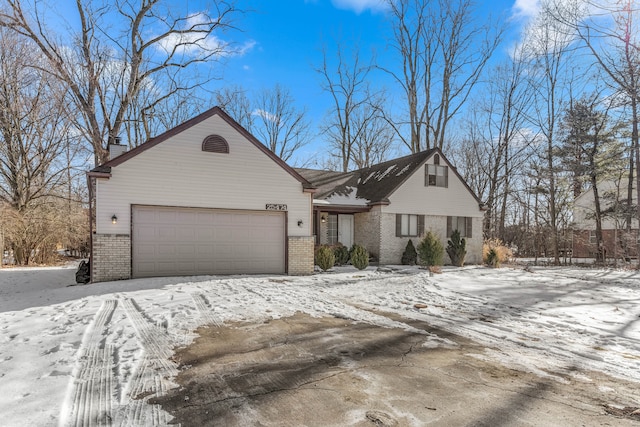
(94, 174)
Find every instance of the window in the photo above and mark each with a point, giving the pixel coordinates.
(215, 144)
(332, 229)
(436, 176)
(409, 225)
(592, 237)
(460, 223)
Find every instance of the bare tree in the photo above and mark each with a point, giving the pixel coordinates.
(32, 127)
(123, 52)
(615, 45)
(443, 52)
(499, 139)
(234, 100)
(281, 126)
(549, 43)
(375, 141)
(37, 155)
(355, 107)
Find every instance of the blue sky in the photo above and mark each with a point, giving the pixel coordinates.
(288, 37)
(282, 42)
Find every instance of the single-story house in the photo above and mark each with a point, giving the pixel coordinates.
(617, 241)
(383, 206)
(205, 197)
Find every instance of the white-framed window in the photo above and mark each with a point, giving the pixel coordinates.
(461, 223)
(592, 237)
(436, 176)
(408, 225)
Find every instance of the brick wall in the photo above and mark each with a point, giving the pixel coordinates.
(393, 247)
(301, 255)
(614, 244)
(367, 230)
(111, 256)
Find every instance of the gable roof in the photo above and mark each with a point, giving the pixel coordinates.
(104, 170)
(371, 185)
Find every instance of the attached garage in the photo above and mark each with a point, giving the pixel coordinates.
(172, 241)
(205, 197)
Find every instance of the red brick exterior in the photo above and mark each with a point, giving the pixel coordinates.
(585, 247)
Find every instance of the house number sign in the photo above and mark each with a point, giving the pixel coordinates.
(275, 207)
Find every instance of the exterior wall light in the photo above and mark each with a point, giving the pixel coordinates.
(299, 223)
(323, 219)
(114, 219)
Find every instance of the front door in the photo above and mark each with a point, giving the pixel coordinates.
(345, 230)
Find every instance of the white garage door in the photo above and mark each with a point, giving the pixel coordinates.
(189, 241)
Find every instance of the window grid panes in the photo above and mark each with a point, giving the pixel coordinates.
(437, 176)
(332, 229)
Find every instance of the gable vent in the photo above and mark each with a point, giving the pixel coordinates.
(215, 144)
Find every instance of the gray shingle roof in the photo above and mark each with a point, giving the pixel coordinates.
(365, 186)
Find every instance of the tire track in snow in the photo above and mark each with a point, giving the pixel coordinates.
(153, 372)
(316, 302)
(206, 312)
(91, 396)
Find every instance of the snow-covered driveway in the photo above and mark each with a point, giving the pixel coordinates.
(68, 354)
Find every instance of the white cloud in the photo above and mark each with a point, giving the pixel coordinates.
(358, 6)
(201, 43)
(526, 8)
(265, 115)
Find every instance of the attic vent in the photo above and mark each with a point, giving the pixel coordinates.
(436, 159)
(215, 144)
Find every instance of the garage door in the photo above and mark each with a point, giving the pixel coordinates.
(190, 241)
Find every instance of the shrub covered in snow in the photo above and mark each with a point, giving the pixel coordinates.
(430, 250)
(325, 259)
(409, 256)
(359, 257)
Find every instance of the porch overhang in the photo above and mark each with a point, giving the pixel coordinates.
(340, 208)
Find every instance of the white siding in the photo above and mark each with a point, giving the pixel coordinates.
(176, 172)
(584, 206)
(414, 198)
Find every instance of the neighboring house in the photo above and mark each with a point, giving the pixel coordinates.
(615, 239)
(203, 198)
(383, 206)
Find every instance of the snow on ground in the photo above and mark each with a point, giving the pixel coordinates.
(72, 352)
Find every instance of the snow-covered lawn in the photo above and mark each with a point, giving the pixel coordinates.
(69, 352)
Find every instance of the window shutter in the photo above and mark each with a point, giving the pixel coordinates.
(468, 222)
(420, 225)
(449, 220)
(398, 225)
(446, 177)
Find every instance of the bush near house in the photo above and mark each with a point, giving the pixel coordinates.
(430, 250)
(502, 253)
(456, 249)
(341, 254)
(359, 257)
(409, 256)
(325, 259)
(492, 259)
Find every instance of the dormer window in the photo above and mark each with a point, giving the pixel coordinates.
(215, 144)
